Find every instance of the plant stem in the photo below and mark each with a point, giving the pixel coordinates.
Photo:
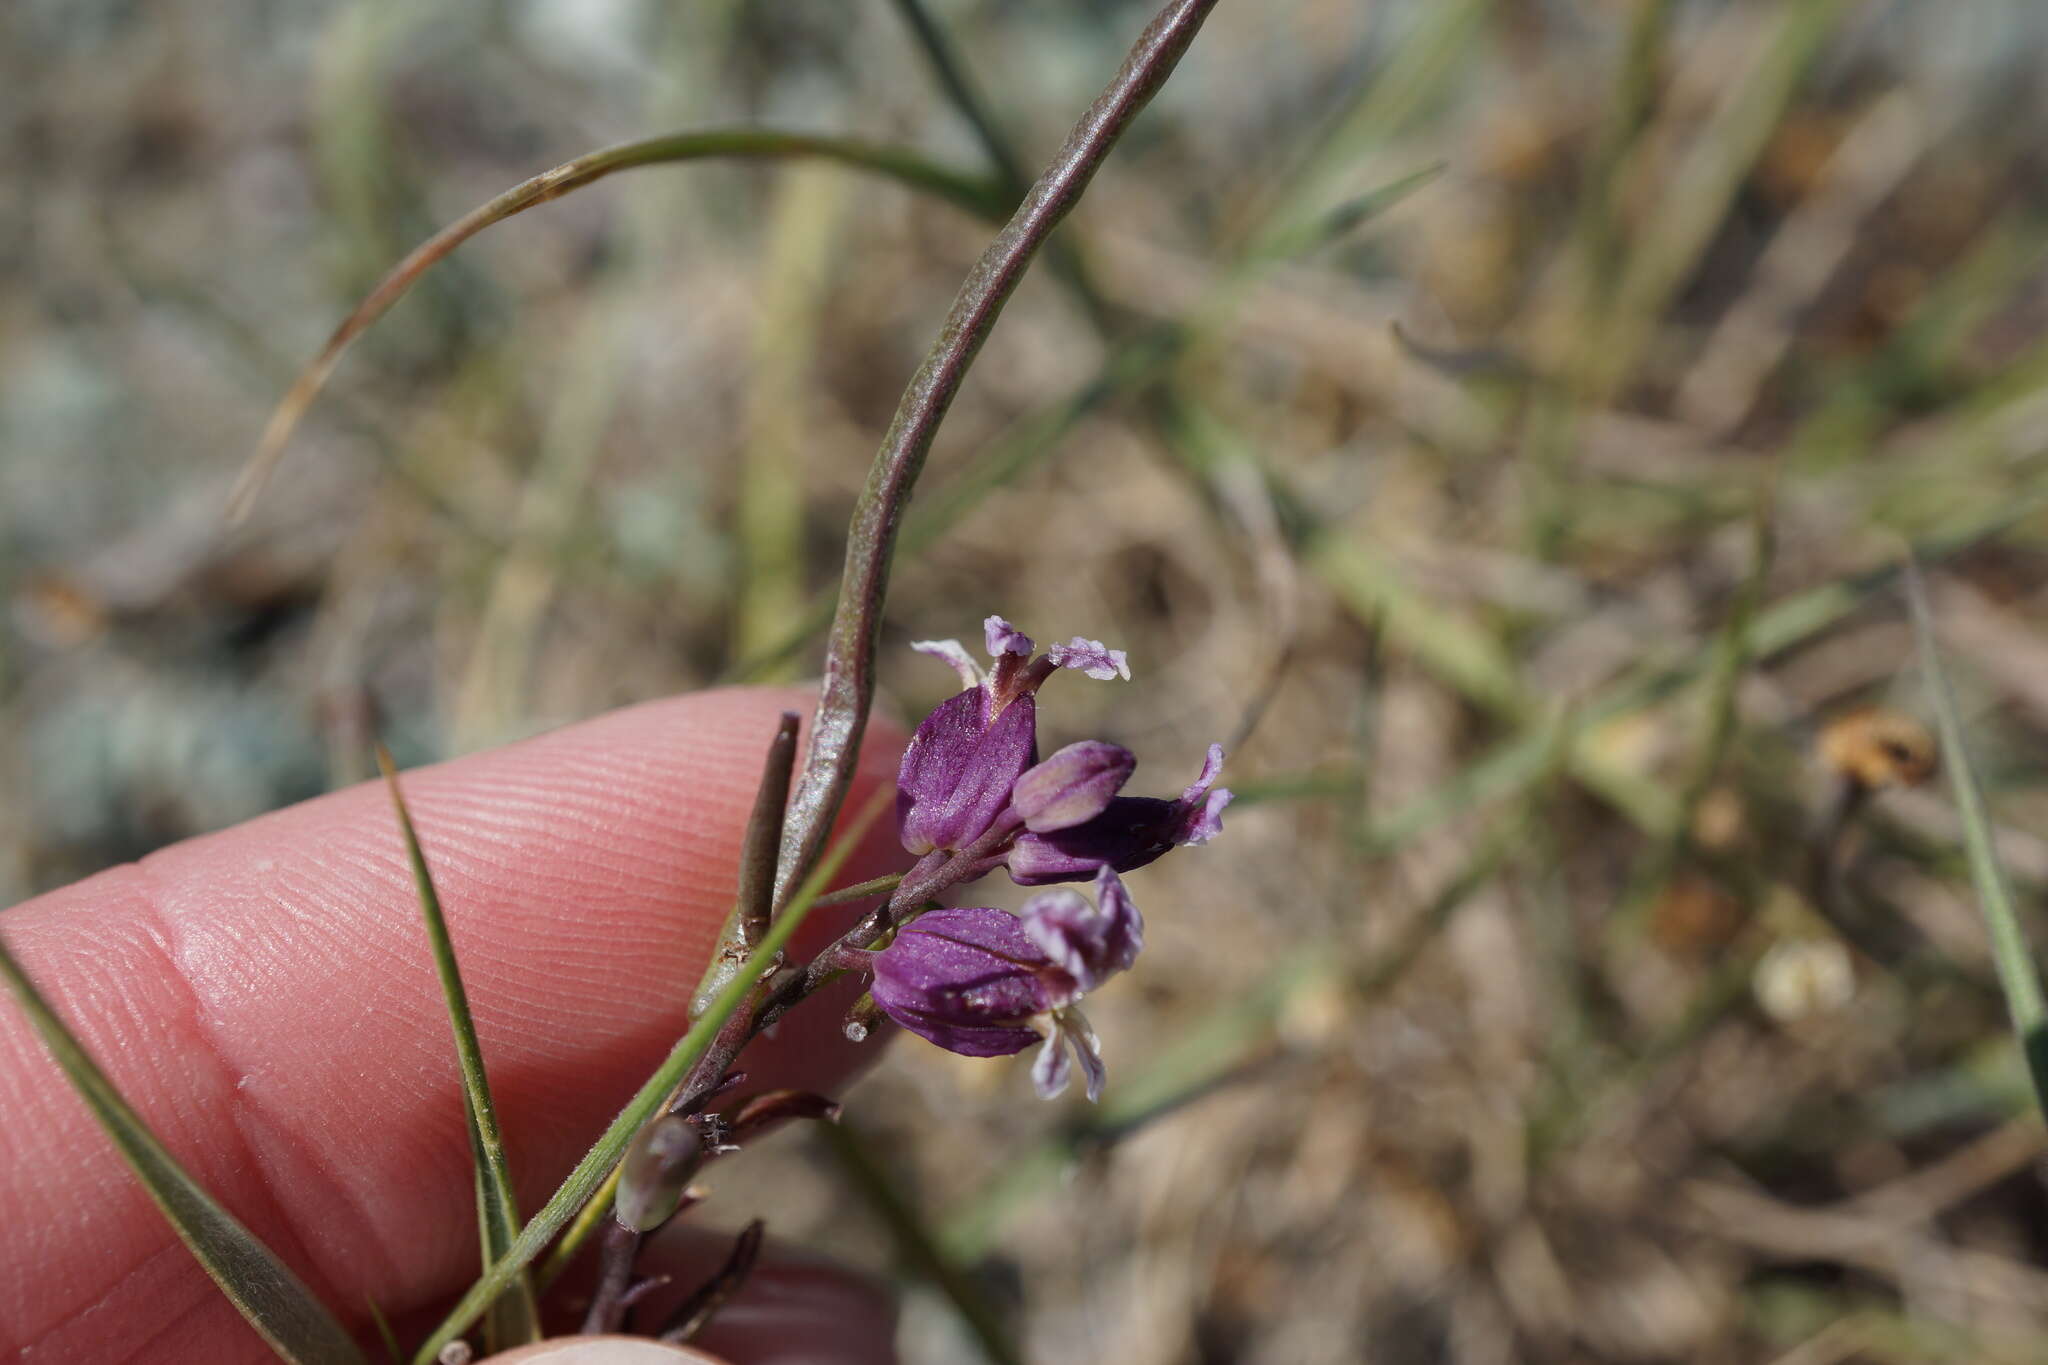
(849, 685)
(970, 193)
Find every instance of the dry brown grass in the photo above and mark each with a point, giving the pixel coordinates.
(1526, 1012)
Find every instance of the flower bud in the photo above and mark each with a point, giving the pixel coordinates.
(656, 1171)
(1131, 831)
(1073, 786)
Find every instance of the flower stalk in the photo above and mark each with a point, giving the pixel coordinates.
(730, 1014)
(849, 683)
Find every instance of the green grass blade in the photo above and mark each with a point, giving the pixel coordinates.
(916, 1243)
(1696, 200)
(2018, 976)
(274, 1300)
(590, 1174)
(1733, 651)
(514, 1317)
(969, 192)
(392, 1349)
(1416, 71)
(1334, 224)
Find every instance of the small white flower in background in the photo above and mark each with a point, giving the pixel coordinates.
(1802, 978)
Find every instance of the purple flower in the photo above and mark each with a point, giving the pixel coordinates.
(958, 770)
(971, 777)
(985, 983)
(1123, 833)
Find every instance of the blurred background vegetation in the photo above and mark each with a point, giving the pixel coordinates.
(1500, 421)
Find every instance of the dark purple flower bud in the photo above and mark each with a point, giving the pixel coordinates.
(1073, 786)
(1130, 832)
(958, 770)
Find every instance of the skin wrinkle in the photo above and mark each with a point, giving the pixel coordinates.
(108, 1302)
(134, 885)
(248, 1115)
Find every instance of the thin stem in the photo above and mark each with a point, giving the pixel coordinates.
(608, 1306)
(849, 685)
(860, 891)
(970, 193)
(962, 92)
(916, 1242)
(589, 1220)
(695, 1313)
(2018, 975)
(934, 872)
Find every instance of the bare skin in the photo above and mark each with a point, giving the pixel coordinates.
(264, 997)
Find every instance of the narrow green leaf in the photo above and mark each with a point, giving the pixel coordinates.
(392, 1349)
(1346, 218)
(2018, 976)
(971, 193)
(917, 1244)
(584, 1182)
(514, 1318)
(274, 1300)
(1732, 653)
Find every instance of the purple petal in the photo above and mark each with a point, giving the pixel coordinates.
(1061, 924)
(966, 979)
(1073, 786)
(1123, 935)
(1049, 1069)
(1080, 1035)
(1205, 822)
(1090, 942)
(1004, 638)
(955, 655)
(1202, 809)
(958, 770)
(1092, 657)
(1212, 768)
(969, 1040)
(1131, 832)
